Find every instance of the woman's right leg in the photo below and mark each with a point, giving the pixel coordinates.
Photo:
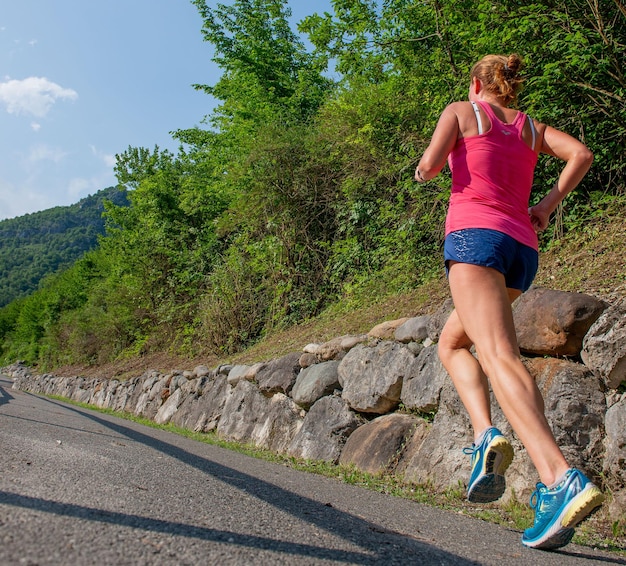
(483, 307)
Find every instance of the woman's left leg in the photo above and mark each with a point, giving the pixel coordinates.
(467, 375)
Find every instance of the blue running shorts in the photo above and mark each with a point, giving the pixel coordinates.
(490, 248)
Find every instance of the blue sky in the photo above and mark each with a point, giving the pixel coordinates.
(81, 80)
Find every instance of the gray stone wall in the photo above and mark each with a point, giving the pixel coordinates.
(383, 402)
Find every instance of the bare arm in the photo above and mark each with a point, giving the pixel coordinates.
(578, 160)
(441, 144)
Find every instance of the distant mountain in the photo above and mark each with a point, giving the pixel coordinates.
(35, 245)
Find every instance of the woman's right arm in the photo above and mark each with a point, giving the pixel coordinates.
(441, 144)
(578, 159)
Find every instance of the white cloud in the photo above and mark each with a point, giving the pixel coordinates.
(107, 158)
(17, 202)
(80, 187)
(35, 126)
(34, 95)
(46, 153)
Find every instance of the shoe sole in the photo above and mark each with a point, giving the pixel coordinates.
(561, 531)
(490, 487)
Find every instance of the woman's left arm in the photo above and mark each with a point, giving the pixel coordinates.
(441, 144)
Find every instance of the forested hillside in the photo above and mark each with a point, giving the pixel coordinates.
(39, 244)
(298, 192)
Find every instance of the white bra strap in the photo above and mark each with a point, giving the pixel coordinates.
(532, 129)
(480, 122)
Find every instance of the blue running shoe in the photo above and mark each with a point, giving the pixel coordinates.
(559, 510)
(490, 459)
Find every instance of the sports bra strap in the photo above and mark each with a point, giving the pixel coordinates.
(480, 122)
(532, 129)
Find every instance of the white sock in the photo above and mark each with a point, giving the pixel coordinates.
(481, 436)
(558, 481)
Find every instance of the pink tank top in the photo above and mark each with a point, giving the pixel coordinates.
(492, 176)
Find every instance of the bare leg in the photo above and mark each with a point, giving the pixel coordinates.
(467, 375)
(483, 311)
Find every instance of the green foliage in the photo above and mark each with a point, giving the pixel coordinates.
(300, 192)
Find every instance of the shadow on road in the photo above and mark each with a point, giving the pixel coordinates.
(379, 545)
(5, 396)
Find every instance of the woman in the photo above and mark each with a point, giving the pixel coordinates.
(491, 258)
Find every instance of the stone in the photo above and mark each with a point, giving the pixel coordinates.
(337, 348)
(151, 397)
(614, 465)
(437, 457)
(237, 373)
(604, 346)
(378, 445)
(575, 408)
(202, 410)
(307, 359)
(617, 510)
(315, 382)
(438, 319)
(559, 330)
(424, 382)
(201, 371)
(386, 330)
(372, 377)
(311, 349)
(167, 410)
(413, 330)
(279, 375)
(249, 416)
(325, 429)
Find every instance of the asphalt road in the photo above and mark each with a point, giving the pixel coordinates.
(78, 487)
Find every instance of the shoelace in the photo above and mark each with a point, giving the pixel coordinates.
(536, 496)
(469, 450)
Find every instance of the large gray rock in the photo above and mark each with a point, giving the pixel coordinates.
(122, 397)
(575, 408)
(604, 346)
(237, 373)
(139, 395)
(554, 323)
(202, 371)
(167, 410)
(616, 508)
(108, 394)
(378, 445)
(615, 444)
(249, 416)
(151, 398)
(279, 376)
(439, 319)
(424, 382)
(83, 392)
(280, 424)
(315, 382)
(437, 458)
(325, 430)
(201, 410)
(413, 330)
(372, 377)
